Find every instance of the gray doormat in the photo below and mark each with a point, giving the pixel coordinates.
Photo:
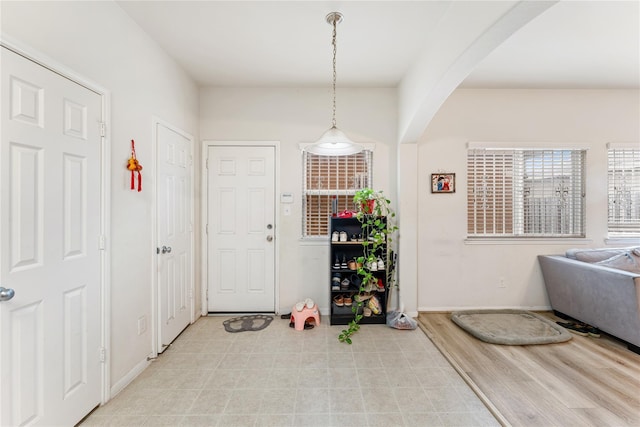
(510, 327)
(255, 322)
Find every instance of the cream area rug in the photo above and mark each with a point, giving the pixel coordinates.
(510, 327)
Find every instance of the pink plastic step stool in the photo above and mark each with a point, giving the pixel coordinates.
(299, 317)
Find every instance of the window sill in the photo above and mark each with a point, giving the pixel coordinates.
(314, 241)
(629, 241)
(526, 241)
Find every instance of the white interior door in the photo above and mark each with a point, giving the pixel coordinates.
(175, 233)
(49, 246)
(241, 228)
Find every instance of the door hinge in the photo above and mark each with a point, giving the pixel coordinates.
(103, 354)
(103, 129)
(206, 229)
(102, 242)
(206, 163)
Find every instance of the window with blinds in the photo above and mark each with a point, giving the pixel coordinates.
(326, 177)
(624, 192)
(525, 193)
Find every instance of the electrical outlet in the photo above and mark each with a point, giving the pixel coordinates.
(142, 325)
(501, 283)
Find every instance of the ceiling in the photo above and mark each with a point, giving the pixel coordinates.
(573, 44)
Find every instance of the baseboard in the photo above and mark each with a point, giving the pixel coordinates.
(326, 312)
(450, 309)
(129, 377)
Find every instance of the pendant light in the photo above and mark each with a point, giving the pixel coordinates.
(334, 142)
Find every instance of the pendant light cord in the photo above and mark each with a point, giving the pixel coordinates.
(335, 19)
(334, 142)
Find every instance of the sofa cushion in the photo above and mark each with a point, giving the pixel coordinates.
(627, 261)
(595, 255)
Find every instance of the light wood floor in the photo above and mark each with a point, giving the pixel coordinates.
(583, 382)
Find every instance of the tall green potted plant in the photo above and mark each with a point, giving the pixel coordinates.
(378, 225)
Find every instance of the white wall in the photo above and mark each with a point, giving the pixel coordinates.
(292, 116)
(454, 274)
(100, 42)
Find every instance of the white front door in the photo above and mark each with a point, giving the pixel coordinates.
(49, 246)
(241, 228)
(175, 233)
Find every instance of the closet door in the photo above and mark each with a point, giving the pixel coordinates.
(49, 246)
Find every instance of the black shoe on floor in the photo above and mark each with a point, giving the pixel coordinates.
(591, 330)
(574, 328)
(306, 325)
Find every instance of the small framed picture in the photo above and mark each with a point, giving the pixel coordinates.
(443, 182)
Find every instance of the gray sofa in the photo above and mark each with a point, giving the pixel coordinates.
(600, 287)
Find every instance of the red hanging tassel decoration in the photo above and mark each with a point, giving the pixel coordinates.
(134, 166)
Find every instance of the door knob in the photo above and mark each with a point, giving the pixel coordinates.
(6, 294)
(166, 249)
(269, 238)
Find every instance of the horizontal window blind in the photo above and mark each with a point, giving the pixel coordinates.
(490, 192)
(525, 192)
(624, 191)
(326, 177)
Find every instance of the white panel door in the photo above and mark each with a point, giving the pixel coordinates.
(175, 283)
(49, 246)
(241, 229)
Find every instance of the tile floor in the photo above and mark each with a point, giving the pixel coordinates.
(282, 377)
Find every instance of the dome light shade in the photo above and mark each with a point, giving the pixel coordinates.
(334, 142)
